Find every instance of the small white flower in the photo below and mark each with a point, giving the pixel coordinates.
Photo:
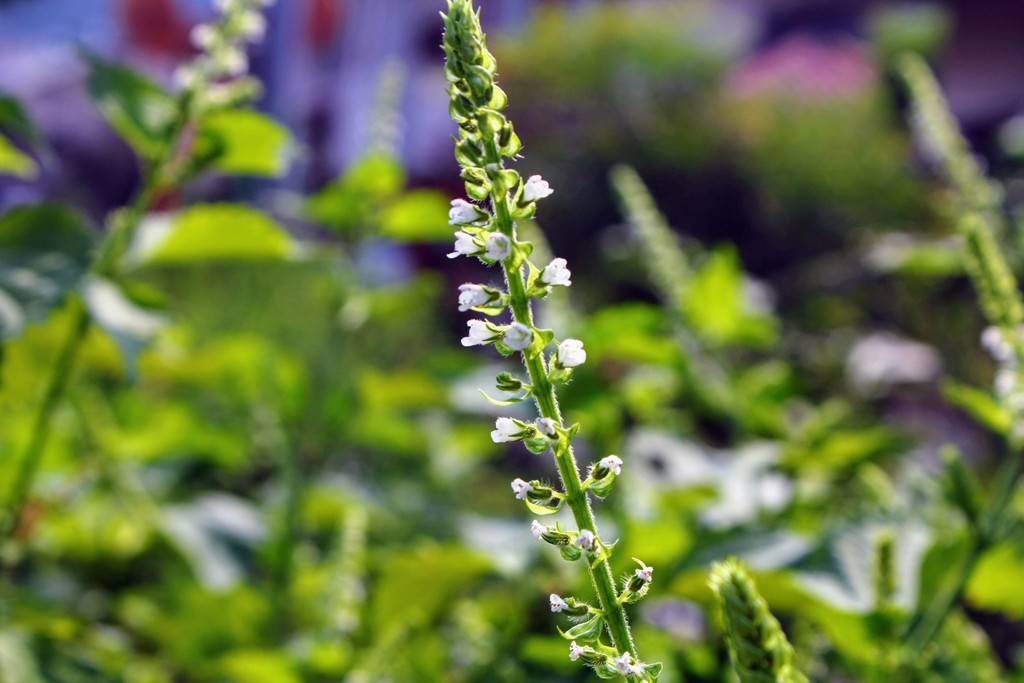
(536, 188)
(497, 247)
(203, 36)
(518, 336)
(253, 26)
(586, 540)
(231, 61)
(546, 426)
(556, 274)
(465, 245)
(463, 212)
(575, 651)
(537, 529)
(993, 340)
(471, 296)
(636, 669)
(571, 353)
(613, 463)
(521, 488)
(558, 604)
(623, 663)
(505, 430)
(645, 573)
(480, 333)
(186, 77)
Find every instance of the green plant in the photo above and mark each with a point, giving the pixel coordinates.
(486, 139)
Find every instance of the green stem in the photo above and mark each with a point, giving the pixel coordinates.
(54, 392)
(928, 622)
(544, 395)
(122, 228)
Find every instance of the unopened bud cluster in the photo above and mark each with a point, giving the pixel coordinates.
(497, 197)
(217, 76)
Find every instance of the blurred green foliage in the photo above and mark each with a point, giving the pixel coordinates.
(293, 481)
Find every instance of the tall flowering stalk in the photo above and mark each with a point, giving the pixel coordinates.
(980, 225)
(487, 231)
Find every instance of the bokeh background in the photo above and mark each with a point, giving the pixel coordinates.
(294, 480)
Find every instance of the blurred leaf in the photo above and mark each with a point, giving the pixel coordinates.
(131, 325)
(14, 162)
(995, 583)
(715, 304)
(417, 216)
(17, 662)
(248, 143)
(399, 594)
(16, 120)
(258, 666)
(220, 232)
(139, 110)
(979, 404)
(842, 448)
(633, 332)
(44, 250)
(217, 534)
(352, 200)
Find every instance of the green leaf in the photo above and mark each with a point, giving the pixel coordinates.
(115, 310)
(979, 404)
(542, 510)
(715, 304)
(14, 162)
(417, 216)
(258, 666)
(653, 670)
(141, 112)
(220, 232)
(44, 251)
(16, 120)
(352, 201)
(248, 143)
(499, 403)
(586, 632)
(995, 583)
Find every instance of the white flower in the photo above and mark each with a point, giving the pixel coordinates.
(993, 340)
(506, 430)
(575, 651)
(471, 296)
(186, 77)
(203, 36)
(463, 212)
(571, 353)
(521, 488)
(623, 663)
(252, 25)
(613, 463)
(636, 669)
(518, 336)
(585, 540)
(231, 61)
(558, 604)
(497, 247)
(536, 188)
(465, 245)
(645, 573)
(546, 426)
(480, 333)
(556, 274)
(537, 529)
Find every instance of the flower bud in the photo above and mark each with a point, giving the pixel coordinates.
(508, 383)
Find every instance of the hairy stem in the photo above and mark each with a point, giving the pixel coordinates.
(568, 471)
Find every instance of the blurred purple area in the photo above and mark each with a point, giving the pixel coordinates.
(323, 59)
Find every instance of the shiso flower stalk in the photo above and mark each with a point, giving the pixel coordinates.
(487, 231)
(759, 649)
(980, 224)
